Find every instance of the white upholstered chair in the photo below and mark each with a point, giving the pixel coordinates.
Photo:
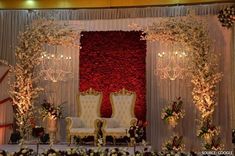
(89, 103)
(123, 103)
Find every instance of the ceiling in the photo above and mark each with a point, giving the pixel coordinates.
(50, 4)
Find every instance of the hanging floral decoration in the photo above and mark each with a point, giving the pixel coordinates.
(207, 131)
(193, 34)
(174, 144)
(215, 144)
(173, 113)
(227, 16)
(24, 89)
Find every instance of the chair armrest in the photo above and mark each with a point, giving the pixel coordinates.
(133, 121)
(73, 122)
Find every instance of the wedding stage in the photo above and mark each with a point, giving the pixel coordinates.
(150, 80)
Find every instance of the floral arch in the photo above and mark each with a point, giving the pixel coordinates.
(192, 34)
(24, 89)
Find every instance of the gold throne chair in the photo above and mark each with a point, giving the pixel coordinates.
(89, 103)
(123, 103)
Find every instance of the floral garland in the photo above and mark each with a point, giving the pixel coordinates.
(227, 16)
(191, 33)
(24, 89)
(174, 144)
(48, 110)
(173, 113)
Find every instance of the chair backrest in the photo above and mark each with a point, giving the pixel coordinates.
(89, 103)
(123, 103)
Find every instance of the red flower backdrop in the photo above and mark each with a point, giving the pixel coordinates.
(110, 61)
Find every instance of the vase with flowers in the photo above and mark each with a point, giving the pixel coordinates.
(52, 113)
(136, 132)
(173, 113)
(175, 143)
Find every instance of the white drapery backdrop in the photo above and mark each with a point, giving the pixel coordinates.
(62, 92)
(159, 92)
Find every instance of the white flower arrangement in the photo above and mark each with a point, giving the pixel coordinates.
(24, 152)
(173, 113)
(174, 144)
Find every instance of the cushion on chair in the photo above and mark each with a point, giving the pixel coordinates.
(76, 122)
(111, 123)
(82, 130)
(116, 130)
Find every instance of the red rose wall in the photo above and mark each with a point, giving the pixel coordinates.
(112, 60)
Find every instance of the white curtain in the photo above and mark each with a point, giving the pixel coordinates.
(159, 92)
(14, 21)
(6, 112)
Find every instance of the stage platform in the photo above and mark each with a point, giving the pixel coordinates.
(42, 147)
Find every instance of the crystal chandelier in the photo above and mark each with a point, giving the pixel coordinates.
(172, 62)
(56, 67)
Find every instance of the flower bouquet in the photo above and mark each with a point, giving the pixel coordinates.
(227, 16)
(3, 153)
(136, 132)
(175, 144)
(48, 110)
(70, 152)
(24, 152)
(117, 152)
(215, 144)
(207, 131)
(173, 113)
(51, 152)
(172, 153)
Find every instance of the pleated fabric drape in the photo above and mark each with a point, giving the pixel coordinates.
(14, 21)
(159, 92)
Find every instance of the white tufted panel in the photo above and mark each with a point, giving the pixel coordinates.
(123, 109)
(89, 109)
